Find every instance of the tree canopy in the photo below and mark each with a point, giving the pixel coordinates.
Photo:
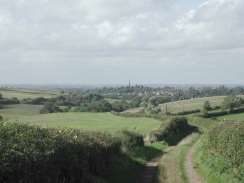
(231, 102)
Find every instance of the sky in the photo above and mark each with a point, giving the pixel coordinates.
(112, 42)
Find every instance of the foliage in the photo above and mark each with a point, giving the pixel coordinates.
(188, 112)
(222, 150)
(150, 106)
(119, 106)
(168, 129)
(96, 106)
(50, 108)
(6, 101)
(66, 109)
(35, 154)
(1, 96)
(135, 102)
(1, 118)
(231, 102)
(63, 100)
(207, 106)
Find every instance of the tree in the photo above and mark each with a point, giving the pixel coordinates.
(1, 118)
(1, 97)
(207, 106)
(231, 102)
(135, 102)
(62, 92)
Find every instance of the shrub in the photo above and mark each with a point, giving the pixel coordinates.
(188, 112)
(168, 129)
(35, 154)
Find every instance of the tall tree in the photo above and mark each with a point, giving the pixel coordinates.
(231, 102)
(207, 106)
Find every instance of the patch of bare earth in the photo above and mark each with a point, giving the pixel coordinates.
(148, 174)
(189, 166)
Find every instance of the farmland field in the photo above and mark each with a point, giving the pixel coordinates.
(24, 93)
(186, 105)
(14, 112)
(239, 116)
(92, 121)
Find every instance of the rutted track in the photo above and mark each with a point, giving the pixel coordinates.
(189, 167)
(150, 171)
(148, 174)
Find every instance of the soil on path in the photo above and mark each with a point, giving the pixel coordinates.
(148, 174)
(189, 166)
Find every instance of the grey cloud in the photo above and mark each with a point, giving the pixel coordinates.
(95, 33)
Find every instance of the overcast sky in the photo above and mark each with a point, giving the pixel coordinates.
(112, 41)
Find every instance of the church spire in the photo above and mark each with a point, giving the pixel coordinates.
(129, 83)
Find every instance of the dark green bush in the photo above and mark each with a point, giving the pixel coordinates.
(189, 112)
(35, 154)
(168, 129)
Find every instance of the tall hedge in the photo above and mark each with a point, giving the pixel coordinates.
(35, 154)
(223, 148)
(168, 129)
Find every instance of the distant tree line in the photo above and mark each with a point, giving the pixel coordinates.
(5, 101)
(175, 94)
(80, 103)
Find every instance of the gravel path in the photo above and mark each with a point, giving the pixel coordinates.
(189, 166)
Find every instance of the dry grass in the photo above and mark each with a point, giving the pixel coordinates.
(169, 167)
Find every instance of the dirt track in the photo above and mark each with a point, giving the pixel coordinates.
(148, 174)
(189, 166)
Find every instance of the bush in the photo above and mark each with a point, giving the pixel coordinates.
(168, 129)
(222, 113)
(35, 154)
(188, 112)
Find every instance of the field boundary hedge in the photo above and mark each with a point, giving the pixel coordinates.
(221, 151)
(223, 113)
(35, 154)
(168, 129)
(170, 125)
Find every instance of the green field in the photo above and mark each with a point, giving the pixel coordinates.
(110, 100)
(24, 93)
(187, 105)
(192, 104)
(239, 116)
(92, 121)
(14, 112)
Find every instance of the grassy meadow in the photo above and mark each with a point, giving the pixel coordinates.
(192, 104)
(239, 116)
(187, 105)
(27, 93)
(16, 111)
(91, 121)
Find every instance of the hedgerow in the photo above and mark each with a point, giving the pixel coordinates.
(222, 150)
(38, 154)
(168, 129)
